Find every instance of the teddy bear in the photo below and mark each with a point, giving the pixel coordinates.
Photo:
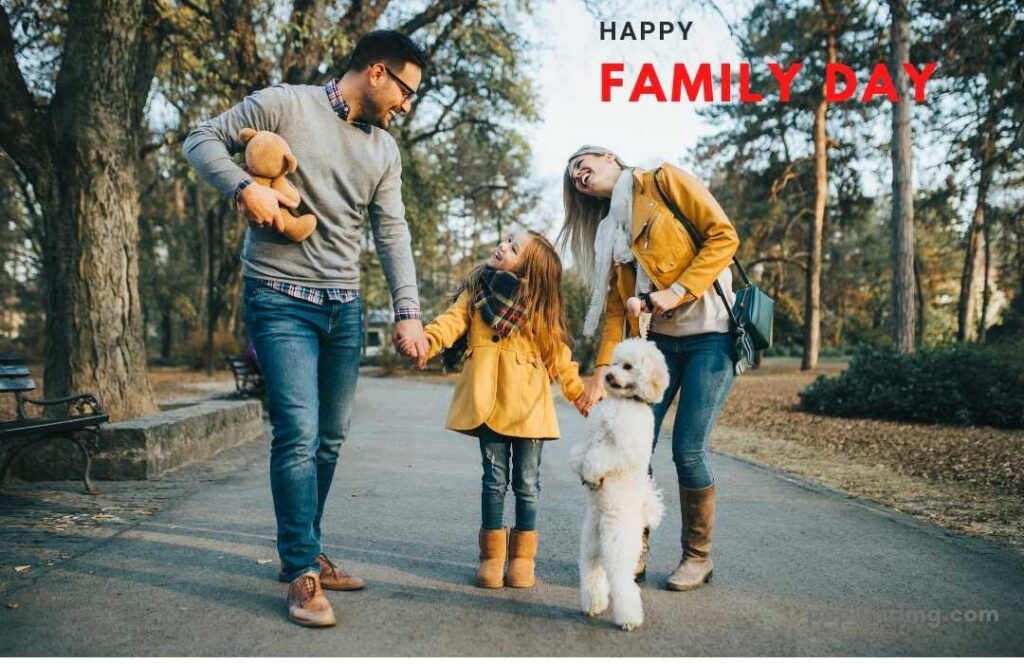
(268, 159)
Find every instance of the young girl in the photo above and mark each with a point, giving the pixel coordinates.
(510, 309)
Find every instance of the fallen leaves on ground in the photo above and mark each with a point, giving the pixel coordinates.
(766, 400)
(967, 478)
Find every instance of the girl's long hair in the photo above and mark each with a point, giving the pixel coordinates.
(582, 215)
(540, 296)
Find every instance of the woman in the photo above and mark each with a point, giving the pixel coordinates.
(627, 242)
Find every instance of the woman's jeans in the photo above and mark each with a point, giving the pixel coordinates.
(700, 368)
(496, 451)
(309, 355)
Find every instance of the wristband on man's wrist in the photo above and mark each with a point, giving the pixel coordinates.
(240, 186)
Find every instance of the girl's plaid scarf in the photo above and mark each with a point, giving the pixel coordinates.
(496, 299)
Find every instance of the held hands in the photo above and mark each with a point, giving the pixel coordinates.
(410, 340)
(593, 391)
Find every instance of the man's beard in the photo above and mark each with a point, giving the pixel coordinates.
(372, 113)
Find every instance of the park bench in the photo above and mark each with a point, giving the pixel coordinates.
(85, 415)
(248, 377)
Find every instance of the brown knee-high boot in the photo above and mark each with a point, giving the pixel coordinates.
(493, 546)
(694, 570)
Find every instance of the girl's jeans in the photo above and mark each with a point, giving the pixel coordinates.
(496, 451)
(309, 354)
(701, 369)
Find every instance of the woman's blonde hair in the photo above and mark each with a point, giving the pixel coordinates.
(540, 295)
(582, 215)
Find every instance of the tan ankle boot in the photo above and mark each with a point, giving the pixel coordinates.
(522, 558)
(640, 571)
(307, 605)
(694, 570)
(493, 546)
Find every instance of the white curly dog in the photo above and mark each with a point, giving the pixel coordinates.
(622, 498)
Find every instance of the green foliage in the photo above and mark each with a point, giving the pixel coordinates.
(957, 384)
(577, 300)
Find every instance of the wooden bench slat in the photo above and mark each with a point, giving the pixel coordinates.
(16, 384)
(13, 370)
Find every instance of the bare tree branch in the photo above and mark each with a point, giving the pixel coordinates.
(455, 125)
(303, 49)
(432, 13)
(23, 132)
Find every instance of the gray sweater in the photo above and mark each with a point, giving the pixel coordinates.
(343, 172)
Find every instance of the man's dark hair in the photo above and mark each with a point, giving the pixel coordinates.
(388, 46)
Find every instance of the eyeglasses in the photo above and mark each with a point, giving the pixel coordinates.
(407, 92)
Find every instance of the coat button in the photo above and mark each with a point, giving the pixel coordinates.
(495, 338)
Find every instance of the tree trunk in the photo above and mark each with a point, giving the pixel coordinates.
(166, 333)
(986, 289)
(920, 299)
(212, 291)
(902, 187)
(94, 317)
(812, 301)
(968, 302)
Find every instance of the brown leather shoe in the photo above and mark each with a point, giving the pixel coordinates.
(695, 568)
(333, 578)
(307, 605)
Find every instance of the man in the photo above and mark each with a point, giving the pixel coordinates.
(302, 303)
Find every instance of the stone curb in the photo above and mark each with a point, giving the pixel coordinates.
(149, 446)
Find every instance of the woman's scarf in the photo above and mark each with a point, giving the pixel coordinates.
(496, 299)
(612, 246)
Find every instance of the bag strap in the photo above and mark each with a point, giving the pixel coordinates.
(695, 236)
(697, 240)
(742, 338)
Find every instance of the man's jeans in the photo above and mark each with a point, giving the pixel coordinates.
(701, 369)
(496, 453)
(309, 355)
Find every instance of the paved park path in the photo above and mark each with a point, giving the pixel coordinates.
(798, 570)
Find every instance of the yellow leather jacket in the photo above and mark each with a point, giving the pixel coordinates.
(665, 250)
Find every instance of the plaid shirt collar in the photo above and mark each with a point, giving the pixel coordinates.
(340, 106)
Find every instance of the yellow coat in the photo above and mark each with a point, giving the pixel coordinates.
(665, 250)
(505, 383)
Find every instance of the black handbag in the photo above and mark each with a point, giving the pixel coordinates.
(753, 313)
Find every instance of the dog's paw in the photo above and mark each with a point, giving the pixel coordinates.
(628, 615)
(594, 605)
